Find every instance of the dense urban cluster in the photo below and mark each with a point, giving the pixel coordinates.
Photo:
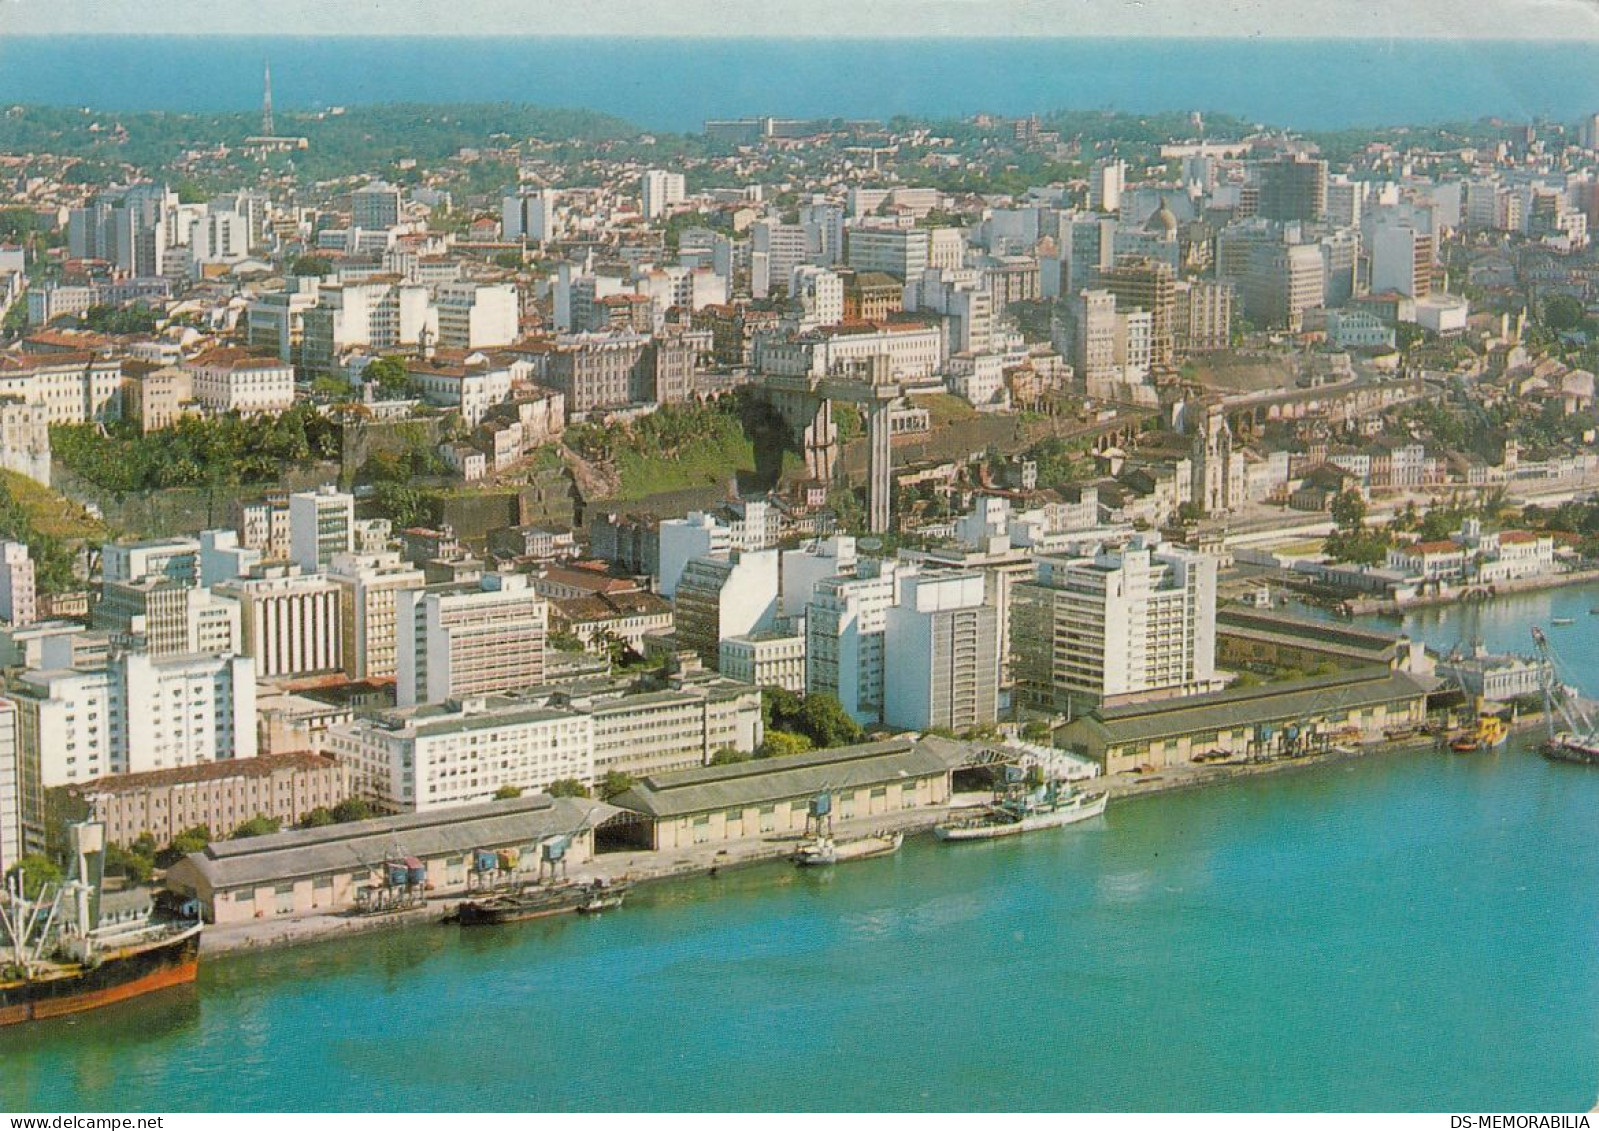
(609, 466)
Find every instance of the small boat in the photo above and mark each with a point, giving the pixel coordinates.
(1594, 612)
(1048, 807)
(536, 901)
(1561, 621)
(604, 896)
(1490, 733)
(824, 850)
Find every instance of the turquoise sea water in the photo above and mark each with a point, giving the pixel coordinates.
(1411, 931)
(674, 84)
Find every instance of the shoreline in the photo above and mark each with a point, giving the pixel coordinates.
(707, 861)
(1388, 607)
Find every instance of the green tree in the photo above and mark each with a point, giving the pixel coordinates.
(567, 787)
(615, 783)
(508, 793)
(37, 870)
(728, 756)
(123, 860)
(1037, 730)
(353, 809)
(258, 825)
(317, 265)
(390, 374)
(824, 719)
(319, 818)
(192, 839)
(1562, 312)
(782, 744)
(1349, 510)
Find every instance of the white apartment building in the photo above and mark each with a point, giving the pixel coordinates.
(372, 584)
(942, 638)
(321, 524)
(820, 294)
(229, 379)
(380, 314)
(72, 389)
(776, 249)
(18, 601)
(477, 315)
(660, 190)
(695, 535)
(844, 626)
(466, 640)
(174, 558)
(15, 838)
(460, 753)
(765, 659)
(134, 714)
(804, 567)
(472, 389)
(530, 215)
(1133, 622)
(717, 598)
(674, 729)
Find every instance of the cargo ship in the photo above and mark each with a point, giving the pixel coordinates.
(57, 959)
(821, 851)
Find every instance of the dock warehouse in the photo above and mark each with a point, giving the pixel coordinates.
(772, 796)
(1250, 721)
(320, 869)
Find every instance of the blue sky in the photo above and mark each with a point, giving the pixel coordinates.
(1477, 19)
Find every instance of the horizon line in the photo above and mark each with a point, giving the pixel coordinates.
(1577, 39)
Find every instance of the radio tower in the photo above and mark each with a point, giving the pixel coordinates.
(266, 104)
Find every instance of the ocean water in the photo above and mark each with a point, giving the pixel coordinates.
(674, 84)
(1406, 932)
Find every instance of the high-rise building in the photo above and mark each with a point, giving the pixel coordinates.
(292, 622)
(530, 215)
(660, 190)
(1125, 623)
(1401, 260)
(15, 840)
(1293, 187)
(695, 535)
(375, 207)
(844, 626)
(476, 316)
(372, 584)
(722, 597)
(1091, 333)
(820, 294)
(1203, 317)
(1105, 182)
(776, 249)
(135, 713)
(170, 618)
(17, 597)
(900, 252)
(943, 638)
(174, 558)
(458, 641)
(1148, 285)
(321, 524)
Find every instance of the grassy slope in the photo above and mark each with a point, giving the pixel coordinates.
(51, 512)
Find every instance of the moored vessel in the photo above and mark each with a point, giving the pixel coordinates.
(58, 960)
(1490, 732)
(536, 901)
(1022, 810)
(1578, 740)
(821, 851)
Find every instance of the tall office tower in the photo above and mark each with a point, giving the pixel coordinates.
(530, 215)
(14, 841)
(375, 207)
(901, 252)
(170, 618)
(776, 249)
(722, 597)
(321, 524)
(1401, 260)
(1293, 187)
(1149, 285)
(372, 584)
(803, 569)
(1340, 257)
(695, 535)
(1203, 317)
(660, 191)
(1135, 622)
(1280, 282)
(466, 640)
(17, 597)
(844, 626)
(1091, 335)
(290, 621)
(474, 316)
(943, 637)
(1105, 182)
(823, 221)
(1345, 199)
